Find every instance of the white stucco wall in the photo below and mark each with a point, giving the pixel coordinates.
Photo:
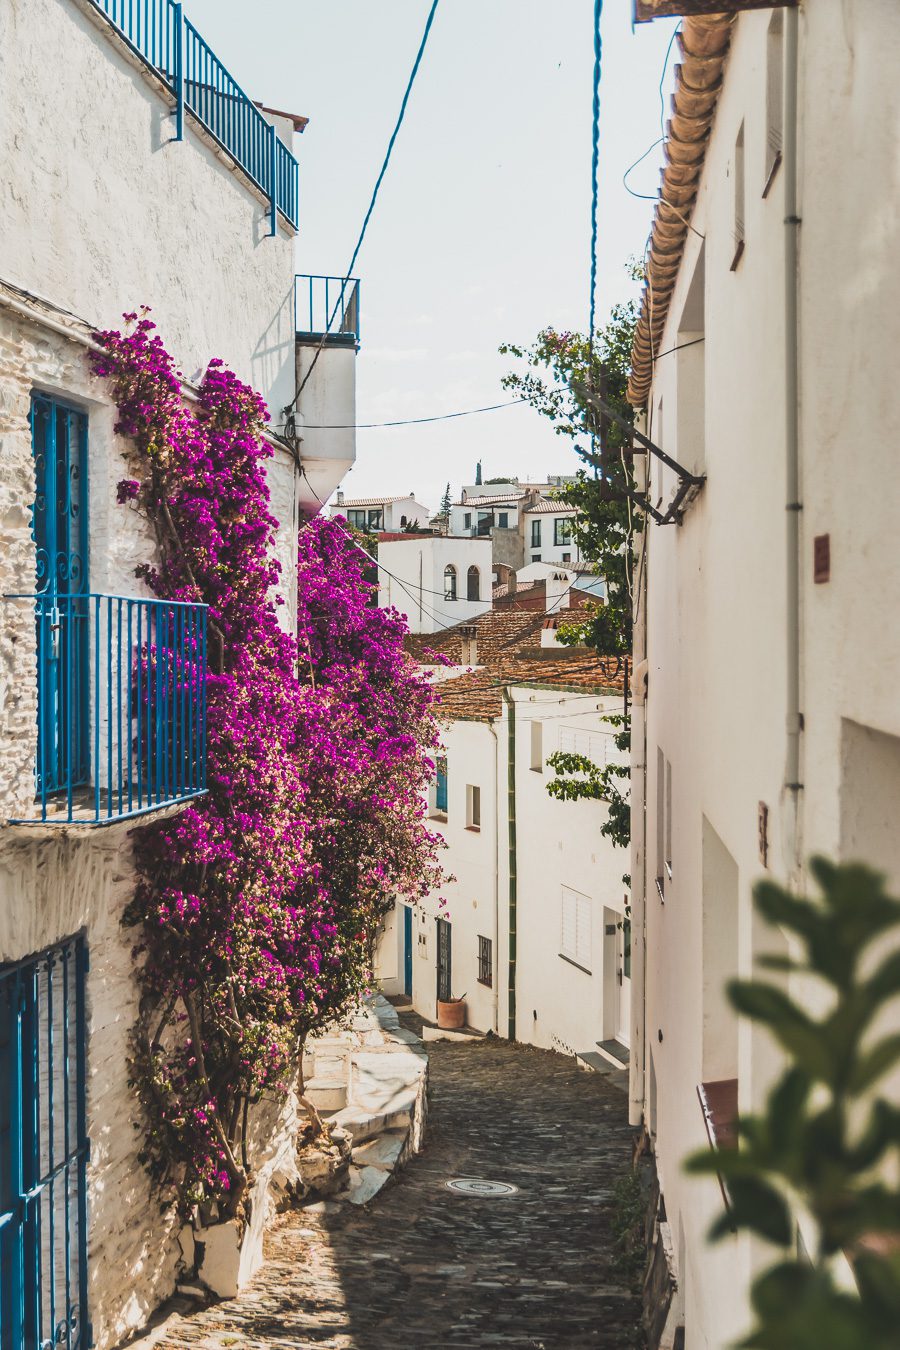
(327, 418)
(716, 603)
(411, 578)
(558, 845)
(104, 211)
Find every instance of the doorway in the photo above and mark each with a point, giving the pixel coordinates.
(43, 1151)
(407, 951)
(443, 960)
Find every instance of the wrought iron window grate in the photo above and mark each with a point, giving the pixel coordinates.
(43, 1151)
(486, 962)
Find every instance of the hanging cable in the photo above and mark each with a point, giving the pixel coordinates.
(407, 421)
(595, 166)
(368, 216)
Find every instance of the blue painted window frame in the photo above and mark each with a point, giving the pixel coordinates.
(440, 786)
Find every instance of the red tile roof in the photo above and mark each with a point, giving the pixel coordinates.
(509, 652)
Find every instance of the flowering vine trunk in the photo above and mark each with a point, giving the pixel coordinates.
(257, 906)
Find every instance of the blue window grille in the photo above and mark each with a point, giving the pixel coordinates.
(158, 32)
(59, 529)
(318, 300)
(440, 794)
(43, 1151)
(121, 683)
(138, 699)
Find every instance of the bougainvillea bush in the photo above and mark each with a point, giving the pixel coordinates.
(257, 906)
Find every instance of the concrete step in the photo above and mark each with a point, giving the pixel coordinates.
(327, 1094)
(383, 1152)
(365, 1183)
(362, 1124)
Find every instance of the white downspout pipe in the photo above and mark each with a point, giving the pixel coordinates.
(793, 506)
(495, 972)
(637, 1077)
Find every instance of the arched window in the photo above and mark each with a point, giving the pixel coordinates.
(473, 584)
(449, 582)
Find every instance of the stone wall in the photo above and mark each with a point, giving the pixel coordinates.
(57, 881)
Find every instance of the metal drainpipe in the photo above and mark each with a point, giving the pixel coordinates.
(496, 934)
(637, 1066)
(513, 878)
(793, 505)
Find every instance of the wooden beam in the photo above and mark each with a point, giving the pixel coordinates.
(645, 10)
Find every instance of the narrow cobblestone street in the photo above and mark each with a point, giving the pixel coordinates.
(425, 1268)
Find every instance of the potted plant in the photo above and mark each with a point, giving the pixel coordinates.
(451, 1013)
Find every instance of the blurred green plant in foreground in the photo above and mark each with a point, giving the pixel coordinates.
(827, 1144)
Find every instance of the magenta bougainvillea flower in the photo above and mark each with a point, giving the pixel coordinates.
(257, 906)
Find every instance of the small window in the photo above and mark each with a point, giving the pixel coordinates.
(440, 787)
(562, 531)
(503, 520)
(403, 522)
(537, 747)
(473, 584)
(375, 518)
(740, 205)
(449, 582)
(486, 962)
(357, 519)
(473, 807)
(567, 557)
(535, 557)
(668, 853)
(663, 823)
(535, 534)
(774, 97)
(467, 520)
(575, 929)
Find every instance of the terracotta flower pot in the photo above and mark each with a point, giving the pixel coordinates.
(451, 1016)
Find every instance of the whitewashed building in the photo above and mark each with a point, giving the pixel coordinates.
(376, 514)
(128, 181)
(533, 930)
(501, 512)
(435, 581)
(767, 722)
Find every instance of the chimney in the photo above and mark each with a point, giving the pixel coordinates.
(512, 584)
(469, 636)
(558, 589)
(340, 496)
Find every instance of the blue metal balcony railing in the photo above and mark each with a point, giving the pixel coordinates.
(320, 299)
(121, 705)
(170, 44)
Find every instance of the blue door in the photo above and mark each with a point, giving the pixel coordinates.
(59, 529)
(407, 951)
(43, 1152)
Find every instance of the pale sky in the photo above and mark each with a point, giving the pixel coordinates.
(482, 228)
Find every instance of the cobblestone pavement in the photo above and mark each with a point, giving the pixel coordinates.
(423, 1268)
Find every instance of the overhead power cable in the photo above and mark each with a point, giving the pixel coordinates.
(368, 216)
(407, 421)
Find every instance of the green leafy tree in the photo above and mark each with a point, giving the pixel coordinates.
(562, 373)
(579, 778)
(826, 1142)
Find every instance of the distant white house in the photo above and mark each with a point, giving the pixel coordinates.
(378, 514)
(436, 581)
(511, 514)
(522, 861)
(548, 533)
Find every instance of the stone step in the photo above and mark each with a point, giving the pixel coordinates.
(365, 1183)
(327, 1094)
(385, 1151)
(362, 1124)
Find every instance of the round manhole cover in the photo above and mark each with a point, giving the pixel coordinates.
(474, 1186)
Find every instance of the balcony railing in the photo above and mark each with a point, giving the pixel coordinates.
(172, 47)
(327, 304)
(121, 705)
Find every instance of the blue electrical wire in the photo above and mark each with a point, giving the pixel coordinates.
(595, 166)
(380, 179)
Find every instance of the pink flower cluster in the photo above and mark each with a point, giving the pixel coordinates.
(257, 906)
